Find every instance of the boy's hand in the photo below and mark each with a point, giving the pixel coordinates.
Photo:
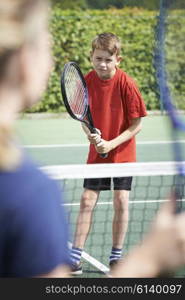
(94, 138)
(103, 146)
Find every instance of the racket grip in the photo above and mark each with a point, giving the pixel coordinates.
(104, 155)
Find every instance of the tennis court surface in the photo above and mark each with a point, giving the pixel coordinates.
(60, 147)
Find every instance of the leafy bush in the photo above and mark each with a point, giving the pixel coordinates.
(70, 4)
(72, 33)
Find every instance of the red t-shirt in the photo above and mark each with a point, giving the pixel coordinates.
(114, 103)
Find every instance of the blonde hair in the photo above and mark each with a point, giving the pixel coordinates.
(19, 22)
(107, 41)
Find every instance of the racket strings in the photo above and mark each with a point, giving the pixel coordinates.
(76, 92)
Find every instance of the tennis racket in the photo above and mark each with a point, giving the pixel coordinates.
(75, 96)
(172, 103)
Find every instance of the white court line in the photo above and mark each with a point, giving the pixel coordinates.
(56, 146)
(160, 142)
(93, 261)
(86, 145)
(130, 202)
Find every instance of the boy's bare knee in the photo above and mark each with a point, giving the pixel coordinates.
(87, 202)
(121, 202)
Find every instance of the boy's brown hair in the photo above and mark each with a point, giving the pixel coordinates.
(107, 41)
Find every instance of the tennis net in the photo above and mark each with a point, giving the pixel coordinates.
(152, 183)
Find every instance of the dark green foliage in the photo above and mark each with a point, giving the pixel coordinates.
(70, 4)
(102, 4)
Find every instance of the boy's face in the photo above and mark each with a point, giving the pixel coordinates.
(104, 63)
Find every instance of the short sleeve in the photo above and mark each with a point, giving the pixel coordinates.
(134, 101)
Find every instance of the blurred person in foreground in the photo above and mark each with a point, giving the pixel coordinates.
(161, 252)
(33, 228)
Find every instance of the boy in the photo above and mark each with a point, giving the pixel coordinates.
(117, 107)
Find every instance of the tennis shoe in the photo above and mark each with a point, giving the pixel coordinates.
(76, 269)
(113, 263)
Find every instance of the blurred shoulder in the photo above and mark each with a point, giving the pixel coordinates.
(25, 181)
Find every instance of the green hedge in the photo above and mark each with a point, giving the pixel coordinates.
(72, 33)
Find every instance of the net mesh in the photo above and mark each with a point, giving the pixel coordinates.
(152, 183)
(174, 47)
(169, 57)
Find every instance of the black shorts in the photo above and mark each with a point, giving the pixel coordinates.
(104, 184)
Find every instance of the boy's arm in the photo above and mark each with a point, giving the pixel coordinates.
(107, 146)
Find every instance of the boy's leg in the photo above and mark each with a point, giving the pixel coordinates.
(119, 225)
(120, 219)
(84, 221)
(92, 188)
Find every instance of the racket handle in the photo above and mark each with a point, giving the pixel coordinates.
(104, 155)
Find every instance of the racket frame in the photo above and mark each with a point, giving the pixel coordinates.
(86, 118)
